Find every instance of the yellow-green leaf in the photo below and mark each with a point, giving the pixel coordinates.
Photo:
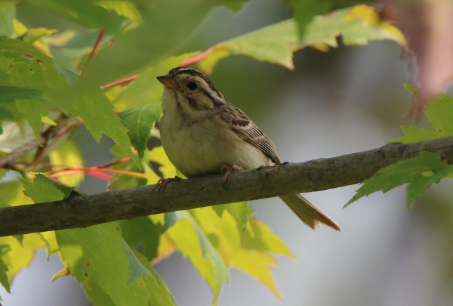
(439, 111)
(276, 43)
(110, 272)
(66, 155)
(7, 16)
(147, 89)
(420, 172)
(124, 8)
(192, 242)
(77, 98)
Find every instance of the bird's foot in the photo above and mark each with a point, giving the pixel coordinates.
(227, 169)
(165, 182)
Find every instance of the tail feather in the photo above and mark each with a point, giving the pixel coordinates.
(307, 212)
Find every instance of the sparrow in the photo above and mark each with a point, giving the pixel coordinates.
(204, 134)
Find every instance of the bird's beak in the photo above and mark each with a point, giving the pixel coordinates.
(167, 81)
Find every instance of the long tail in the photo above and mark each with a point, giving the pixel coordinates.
(307, 212)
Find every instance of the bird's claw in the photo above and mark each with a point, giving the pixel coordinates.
(165, 182)
(227, 169)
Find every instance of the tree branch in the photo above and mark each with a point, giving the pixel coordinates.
(315, 175)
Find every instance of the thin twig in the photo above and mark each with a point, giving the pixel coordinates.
(47, 147)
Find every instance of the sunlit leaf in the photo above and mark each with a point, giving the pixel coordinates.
(124, 8)
(276, 43)
(3, 270)
(158, 155)
(33, 36)
(43, 189)
(259, 236)
(420, 172)
(155, 40)
(439, 112)
(7, 16)
(305, 10)
(136, 269)
(51, 242)
(142, 234)
(96, 257)
(239, 210)
(77, 99)
(18, 256)
(192, 242)
(67, 154)
(63, 272)
(13, 194)
(165, 249)
(147, 89)
(226, 237)
(139, 122)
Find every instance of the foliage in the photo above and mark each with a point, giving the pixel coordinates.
(50, 83)
(422, 171)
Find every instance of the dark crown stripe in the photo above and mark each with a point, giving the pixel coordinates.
(181, 70)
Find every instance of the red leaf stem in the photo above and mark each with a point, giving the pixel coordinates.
(95, 47)
(197, 58)
(190, 61)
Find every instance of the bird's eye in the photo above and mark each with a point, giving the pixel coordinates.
(192, 86)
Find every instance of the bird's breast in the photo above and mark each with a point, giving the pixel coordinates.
(201, 148)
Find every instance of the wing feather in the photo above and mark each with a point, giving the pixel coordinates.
(244, 127)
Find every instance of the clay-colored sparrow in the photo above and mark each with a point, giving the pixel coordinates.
(204, 134)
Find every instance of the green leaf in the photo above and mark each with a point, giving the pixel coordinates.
(96, 257)
(276, 43)
(68, 154)
(139, 122)
(12, 193)
(143, 234)
(9, 94)
(192, 241)
(3, 276)
(439, 111)
(239, 210)
(226, 237)
(157, 39)
(7, 16)
(83, 12)
(136, 268)
(43, 189)
(233, 5)
(305, 10)
(147, 89)
(5, 114)
(420, 172)
(17, 256)
(124, 8)
(77, 99)
(259, 237)
(25, 72)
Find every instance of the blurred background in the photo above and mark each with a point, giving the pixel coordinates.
(347, 100)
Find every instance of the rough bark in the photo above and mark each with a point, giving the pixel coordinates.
(315, 175)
